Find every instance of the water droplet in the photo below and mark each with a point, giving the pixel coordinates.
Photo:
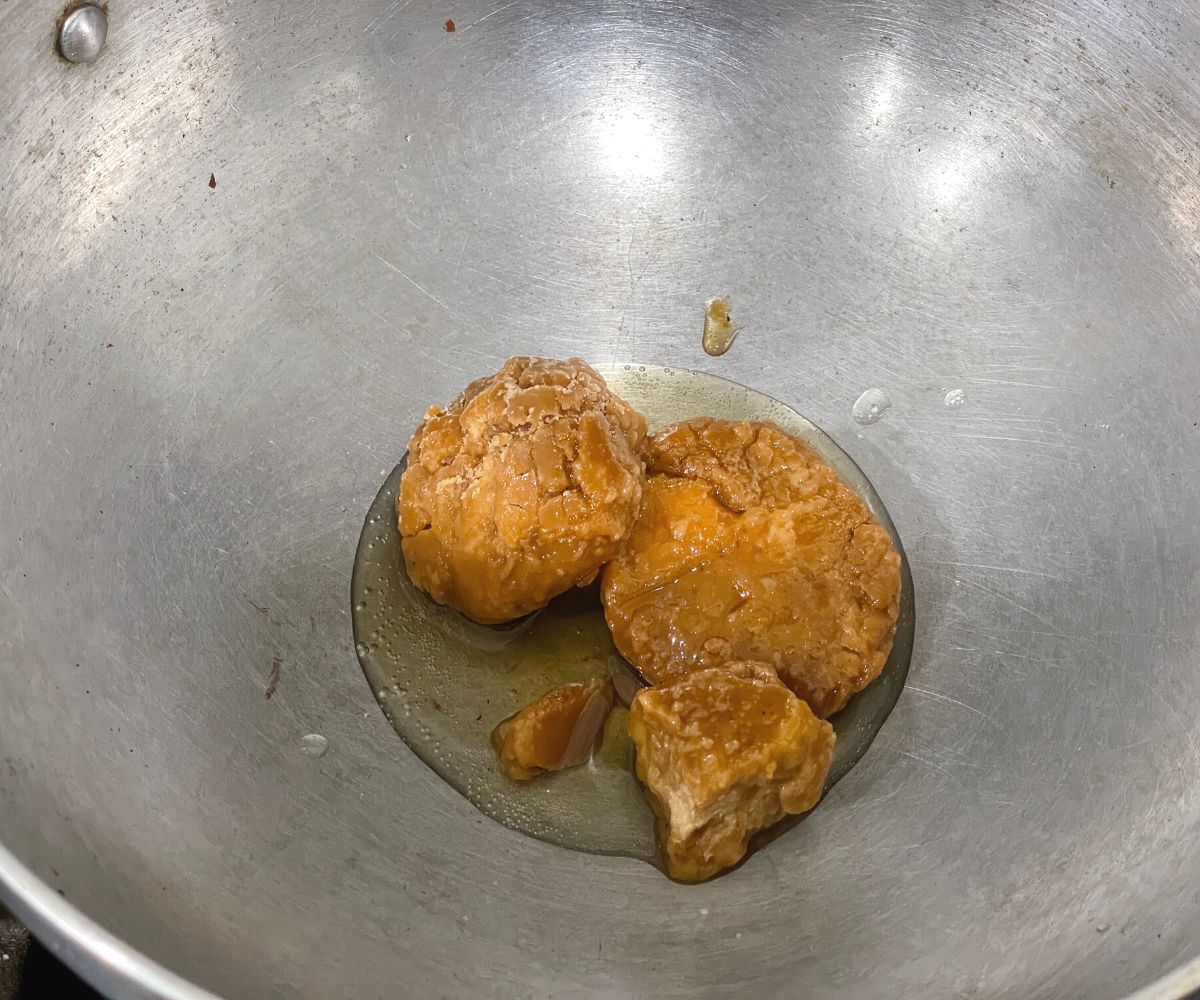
(314, 745)
(955, 398)
(360, 648)
(408, 138)
(871, 405)
(1102, 928)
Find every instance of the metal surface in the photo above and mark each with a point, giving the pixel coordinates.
(915, 197)
(82, 34)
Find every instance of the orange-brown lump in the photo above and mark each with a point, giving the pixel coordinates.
(522, 488)
(723, 753)
(750, 547)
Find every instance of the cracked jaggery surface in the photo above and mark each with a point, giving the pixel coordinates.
(750, 547)
(724, 753)
(520, 489)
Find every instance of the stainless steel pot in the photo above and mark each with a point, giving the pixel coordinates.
(201, 389)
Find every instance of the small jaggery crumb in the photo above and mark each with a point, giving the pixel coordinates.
(719, 330)
(722, 754)
(450, 25)
(560, 729)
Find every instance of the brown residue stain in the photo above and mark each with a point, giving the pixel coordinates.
(449, 26)
(212, 180)
(273, 677)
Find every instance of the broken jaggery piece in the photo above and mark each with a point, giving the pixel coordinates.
(560, 729)
(724, 753)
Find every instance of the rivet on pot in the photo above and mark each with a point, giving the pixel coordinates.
(82, 34)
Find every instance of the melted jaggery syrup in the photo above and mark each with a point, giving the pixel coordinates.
(445, 682)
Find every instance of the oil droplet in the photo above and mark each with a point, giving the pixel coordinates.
(955, 398)
(314, 745)
(871, 405)
(719, 330)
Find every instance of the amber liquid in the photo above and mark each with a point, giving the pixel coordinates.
(445, 682)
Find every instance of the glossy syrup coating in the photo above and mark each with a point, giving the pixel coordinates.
(522, 488)
(750, 547)
(724, 753)
(560, 729)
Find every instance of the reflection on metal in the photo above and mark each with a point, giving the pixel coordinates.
(630, 141)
